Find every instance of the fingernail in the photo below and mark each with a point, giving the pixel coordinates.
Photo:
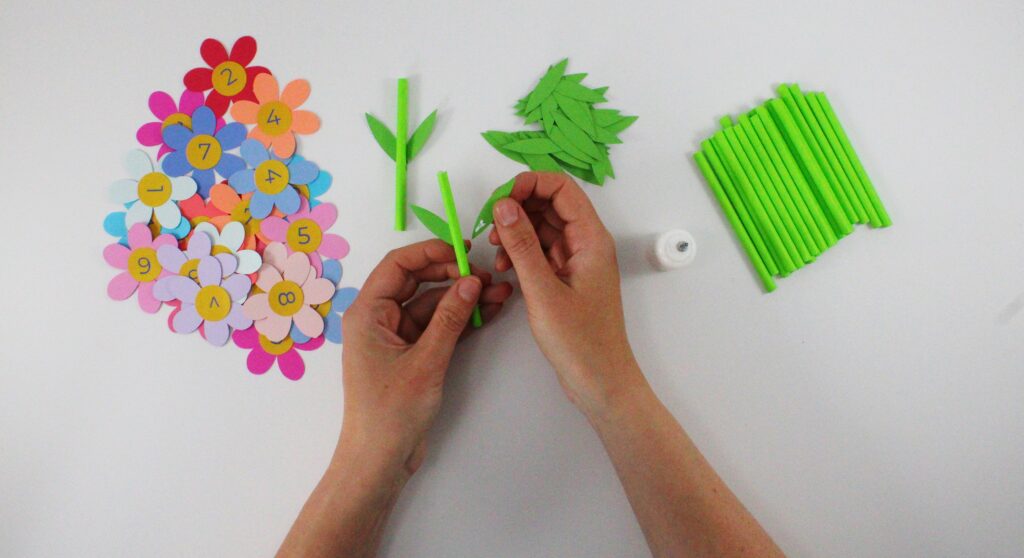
(468, 289)
(507, 211)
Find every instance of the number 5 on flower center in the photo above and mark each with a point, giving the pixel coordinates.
(304, 236)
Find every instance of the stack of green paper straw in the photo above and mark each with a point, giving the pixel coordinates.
(789, 181)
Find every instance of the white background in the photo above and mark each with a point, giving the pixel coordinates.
(872, 406)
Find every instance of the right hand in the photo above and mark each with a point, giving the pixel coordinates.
(548, 231)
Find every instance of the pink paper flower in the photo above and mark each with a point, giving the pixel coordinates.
(303, 231)
(213, 302)
(264, 352)
(141, 266)
(291, 289)
(167, 113)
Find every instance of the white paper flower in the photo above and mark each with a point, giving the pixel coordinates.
(230, 240)
(150, 192)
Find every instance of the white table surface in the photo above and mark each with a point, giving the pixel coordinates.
(872, 406)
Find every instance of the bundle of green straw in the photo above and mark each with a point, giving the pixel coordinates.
(788, 181)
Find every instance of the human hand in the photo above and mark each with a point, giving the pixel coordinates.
(397, 350)
(565, 260)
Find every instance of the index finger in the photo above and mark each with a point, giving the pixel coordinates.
(401, 271)
(566, 197)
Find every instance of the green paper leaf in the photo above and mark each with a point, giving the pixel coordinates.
(600, 90)
(575, 78)
(579, 92)
(498, 140)
(547, 110)
(577, 111)
(604, 117)
(433, 222)
(533, 116)
(622, 124)
(486, 215)
(538, 146)
(576, 135)
(541, 162)
(547, 85)
(585, 175)
(421, 135)
(604, 136)
(561, 140)
(381, 133)
(569, 159)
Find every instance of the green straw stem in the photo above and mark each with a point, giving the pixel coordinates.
(793, 168)
(458, 243)
(844, 161)
(830, 156)
(883, 215)
(736, 201)
(815, 240)
(802, 254)
(841, 224)
(401, 136)
(734, 220)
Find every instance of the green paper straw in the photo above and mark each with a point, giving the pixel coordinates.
(778, 144)
(734, 220)
(883, 215)
(830, 156)
(789, 259)
(736, 202)
(777, 192)
(815, 240)
(844, 161)
(764, 223)
(812, 143)
(458, 243)
(401, 136)
(841, 224)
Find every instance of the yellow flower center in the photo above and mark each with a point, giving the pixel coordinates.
(285, 298)
(228, 78)
(274, 118)
(213, 303)
(177, 118)
(142, 265)
(276, 349)
(190, 269)
(271, 177)
(304, 236)
(154, 189)
(203, 152)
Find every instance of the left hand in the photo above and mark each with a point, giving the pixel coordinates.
(397, 349)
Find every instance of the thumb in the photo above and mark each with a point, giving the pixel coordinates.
(436, 344)
(520, 242)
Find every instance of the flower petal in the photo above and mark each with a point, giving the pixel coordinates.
(260, 204)
(296, 335)
(168, 214)
(257, 307)
(325, 215)
(242, 182)
(302, 172)
(309, 322)
(210, 231)
(177, 136)
(213, 52)
(311, 345)
(291, 365)
(190, 101)
(217, 103)
(254, 152)
(116, 255)
(150, 134)
(236, 318)
(179, 232)
(175, 163)
(124, 191)
(243, 51)
(229, 164)
(275, 327)
(204, 121)
(296, 268)
(317, 291)
(114, 225)
(265, 88)
(245, 111)
(284, 145)
(231, 135)
(198, 79)
(295, 93)
(216, 333)
(138, 213)
(147, 302)
(171, 258)
(332, 328)
(138, 164)
(274, 228)
(223, 197)
(288, 201)
(276, 255)
(320, 186)
(228, 264)
(343, 299)
(182, 187)
(139, 236)
(248, 261)
(268, 277)
(232, 235)
(246, 338)
(161, 104)
(332, 271)
(204, 179)
(164, 239)
(237, 286)
(259, 361)
(187, 319)
(305, 122)
(122, 286)
(209, 271)
(333, 246)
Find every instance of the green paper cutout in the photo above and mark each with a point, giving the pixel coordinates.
(537, 146)
(485, 218)
(577, 111)
(574, 90)
(455, 233)
(498, 140)
(421, 135)
(547, 85)
(621, 124)
(542, 162)
(576, 135)
(381, 133)
(604, 117)
(433, 222)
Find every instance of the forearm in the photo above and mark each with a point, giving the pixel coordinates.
(682, 505)
(346, 513)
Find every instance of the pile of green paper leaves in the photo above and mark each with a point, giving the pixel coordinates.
(575, 136)
(789, 181)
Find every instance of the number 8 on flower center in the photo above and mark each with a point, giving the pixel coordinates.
(285, 298)
(271, 177)
(304, 236)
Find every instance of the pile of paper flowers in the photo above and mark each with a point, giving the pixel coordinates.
(225, 227)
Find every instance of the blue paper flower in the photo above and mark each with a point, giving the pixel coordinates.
(203, 150)
(271, 180)
(318, 186)
(114, 225)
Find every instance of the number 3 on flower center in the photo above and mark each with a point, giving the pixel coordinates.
(274, 118)
(304, 236)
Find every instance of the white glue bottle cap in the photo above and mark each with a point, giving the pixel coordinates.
(672, 250)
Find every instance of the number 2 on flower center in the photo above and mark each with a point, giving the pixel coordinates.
(228, 78)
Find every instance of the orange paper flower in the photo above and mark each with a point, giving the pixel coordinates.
(275, 117)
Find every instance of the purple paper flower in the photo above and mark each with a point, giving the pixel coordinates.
(214, 302)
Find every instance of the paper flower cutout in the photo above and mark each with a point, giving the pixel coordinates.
(214, 301)
(142, 269)
(148, 192)
(305, 231)
(203, 149)
(276, 118)
(197, 210)
(264, 352)
(290, 290)
(229, 240)
(235, 208)
(317, 187)
(168, 113)
(271, 180)
(186, 263)
(228, 75)
(114, 225)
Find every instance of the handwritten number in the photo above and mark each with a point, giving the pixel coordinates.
(231, 77)
(271, 119)
(206, 148)
(304, 237)
(144, 265)
(271, 175)
(284, 299)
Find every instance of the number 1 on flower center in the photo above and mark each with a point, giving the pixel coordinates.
(154, 189)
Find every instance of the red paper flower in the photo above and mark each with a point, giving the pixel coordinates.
(229, 75)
